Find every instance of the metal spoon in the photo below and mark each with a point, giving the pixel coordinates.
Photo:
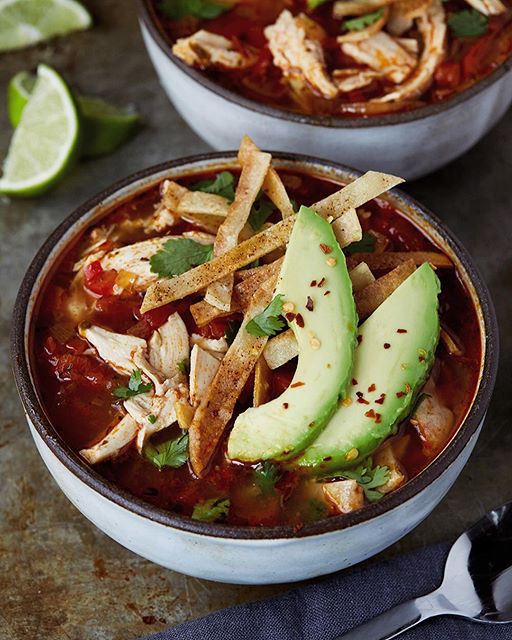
(477, 583)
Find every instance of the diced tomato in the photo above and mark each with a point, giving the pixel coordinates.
(157, 317)
(216, 328)
(448, 74)
(98, 280)
(475, 57)
(77, 345)
(117, 312)
(83, 370)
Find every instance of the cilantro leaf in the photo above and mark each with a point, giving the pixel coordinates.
(361, 22)
(222, 185)
(172, 453)
(180, 255)
(469, 23)
(179, 9)
(184, 366)
(211, 510)
(261, 210)
(232, 330)
(151, 418)
(368, 478)
(266, 475)
(134, 388)
(365, 245)
(313, 4)
(268, 322)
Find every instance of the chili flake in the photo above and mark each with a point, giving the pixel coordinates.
(299, 320)
(310, 305)
(325, 248)
(297, 384)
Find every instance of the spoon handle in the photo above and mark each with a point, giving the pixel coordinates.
(397, 620)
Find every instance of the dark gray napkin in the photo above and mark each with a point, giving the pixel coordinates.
(331, 606)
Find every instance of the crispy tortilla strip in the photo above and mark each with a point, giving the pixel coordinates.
(370, 185)
(209, 223)
(372, 296)
(361, 276)
(206, 204)
(345, 495)
(203, 367)
(113, 443)
(249, 185)
(272, 185)
(217, 404)
(347, 228)
(451, 344)
(192, 281)
(344, 8)
(391, 259)
(281, 349)
(184, 414)
(261, 391)
(203, 312)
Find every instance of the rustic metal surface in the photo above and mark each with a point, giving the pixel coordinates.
(59, 576)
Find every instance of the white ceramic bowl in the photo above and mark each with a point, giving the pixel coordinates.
(409, 144)
(249, 555)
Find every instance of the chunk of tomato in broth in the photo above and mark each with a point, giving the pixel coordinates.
(76, 386)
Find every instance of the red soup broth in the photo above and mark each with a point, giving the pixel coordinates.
(466, 61)
(75, 386)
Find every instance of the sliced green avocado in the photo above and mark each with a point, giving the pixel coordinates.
(314, 279)
(395, 353)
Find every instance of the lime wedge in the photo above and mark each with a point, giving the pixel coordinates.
(25, 22)
(105, 127)
(46, 141)
(18, 93)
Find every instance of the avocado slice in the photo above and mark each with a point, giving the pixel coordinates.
(319, 307)
(396, 350)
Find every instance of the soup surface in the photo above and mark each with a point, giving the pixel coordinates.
(83, 393)
(341, 58)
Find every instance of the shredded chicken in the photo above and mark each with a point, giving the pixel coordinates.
(205, 49)
(434, 423)
(298, 53)
(371, 30)
(346, 495)
(432, 27)
(203, 367)
(216, 347)
(488, 7)
(382, 53)
(403, 13)
(168, 347)
(348, 80)
(113, 443)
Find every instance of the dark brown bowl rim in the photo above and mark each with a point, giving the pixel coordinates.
(345, 122)
(122, 498)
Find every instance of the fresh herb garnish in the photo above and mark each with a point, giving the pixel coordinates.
(179, 9)
(184, 366)
(222, 185)
(361, 22)
(135, 386)
(261, 210)
(180, 255)
(232, 330)
(314, 510)
(211, 510)
(268, 322)
(469, 23)
(266, 475)
(365, 245)
(151, 418)
(368, 478)
(172, 453)
(313, 4)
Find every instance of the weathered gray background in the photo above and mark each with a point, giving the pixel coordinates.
(59, 576)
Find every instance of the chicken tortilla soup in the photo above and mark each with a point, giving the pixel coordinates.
(256, 346)
(339, 57)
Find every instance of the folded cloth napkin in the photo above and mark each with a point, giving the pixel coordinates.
(329, 607)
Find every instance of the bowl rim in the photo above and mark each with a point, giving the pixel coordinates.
(122, 498)
(332, 122)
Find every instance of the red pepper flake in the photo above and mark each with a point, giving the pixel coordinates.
(378, 418)
(312, 283)
(325, 248)
(327, 458)
(327, 292)
(387, 345)
(400, 394)
(297, 384)
(359, 394)
(299, 320)
(354, 381)
(362, 401)
(359, 339)
(321, 283)
(371, 388)
(421, 358)
(401, 330)
(290, 317)
(370, 413)
(285, 405)
(381, 399)
(310, 304)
